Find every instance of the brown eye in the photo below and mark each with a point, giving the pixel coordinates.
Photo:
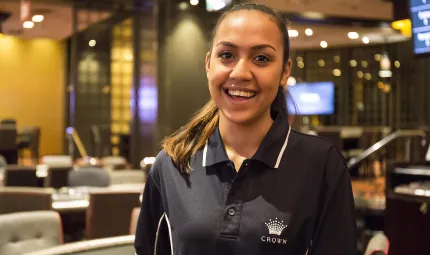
(262, 59)
(226, 55)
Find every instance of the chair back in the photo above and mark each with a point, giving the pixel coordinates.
(89, 176)
(21, 176)
(127, 177)
(21, 199)
(29, 231)
(134, 218)
(114, 207)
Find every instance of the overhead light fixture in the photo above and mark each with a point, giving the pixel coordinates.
(38, 18)
(309, 32)
(337, 72)
(194, 2)
(323, 44)
(293, 33)
(353, 35)
(28, 24)
(92, 43)
(183, 6)
(365, 40)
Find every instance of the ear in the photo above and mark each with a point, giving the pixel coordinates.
(208, 62)
(286, 73)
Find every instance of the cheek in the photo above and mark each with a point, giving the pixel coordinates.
(218, 75)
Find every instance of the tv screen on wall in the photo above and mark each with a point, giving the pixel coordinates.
(420, 19)
(316, 98)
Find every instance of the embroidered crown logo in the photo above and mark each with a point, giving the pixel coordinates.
(275, 227)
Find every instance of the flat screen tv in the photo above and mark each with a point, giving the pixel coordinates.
(420, 19)
(315, 98)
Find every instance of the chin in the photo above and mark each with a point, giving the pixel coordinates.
(241, 117)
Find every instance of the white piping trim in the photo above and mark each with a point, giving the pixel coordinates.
(170, 234)
(158, 231)
(156, 234)
(281, 153)
(205, 150)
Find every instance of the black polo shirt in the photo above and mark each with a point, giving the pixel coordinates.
(294, 194)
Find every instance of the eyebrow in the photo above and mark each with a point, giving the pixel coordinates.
(255, 47)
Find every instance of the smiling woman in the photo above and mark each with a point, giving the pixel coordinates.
(237, 179)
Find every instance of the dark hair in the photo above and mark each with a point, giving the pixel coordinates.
(185, 142)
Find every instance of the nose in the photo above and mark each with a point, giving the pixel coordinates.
(241, 71)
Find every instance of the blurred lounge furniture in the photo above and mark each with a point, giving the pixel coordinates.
(21, 176)
(29, 231)
(114, 162)
(8, 143)
(107, 246)
(134, 218)
(29, 138)
(112, 207)
(89, 176)
(20, 199)
(100, 141)
(127, 176)
(58, 168)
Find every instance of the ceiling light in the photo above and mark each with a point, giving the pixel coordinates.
(309, 32)
(323, 44)
(321, 63)
(28, 24)
(397, 64)
(38, 18)
(366, 40)
(301, 64)
(293, 33)
(353, 35)
(353, 63)
(183, 6)
(336, 59)
(194, 2)
(360, 74)
(337, 72)
(92, 43)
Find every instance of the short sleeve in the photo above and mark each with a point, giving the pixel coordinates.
(335, 233)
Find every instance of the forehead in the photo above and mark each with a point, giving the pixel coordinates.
(249, 27)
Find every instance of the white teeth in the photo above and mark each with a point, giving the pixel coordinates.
(240, 93)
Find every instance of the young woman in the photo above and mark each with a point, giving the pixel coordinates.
(236, 179)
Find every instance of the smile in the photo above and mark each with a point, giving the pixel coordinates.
(239, 94)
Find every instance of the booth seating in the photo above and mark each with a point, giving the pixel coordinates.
(107, 246)
(20, 199)
(29, 231)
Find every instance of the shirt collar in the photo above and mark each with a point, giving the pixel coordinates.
(269, 152)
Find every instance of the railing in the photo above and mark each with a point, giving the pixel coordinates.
(73, 138)
(387, 140)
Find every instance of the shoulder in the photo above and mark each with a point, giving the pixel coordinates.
(316, 147)
(162, 163)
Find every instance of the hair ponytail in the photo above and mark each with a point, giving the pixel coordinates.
(185, 142)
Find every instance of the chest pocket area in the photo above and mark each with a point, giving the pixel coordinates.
(266, 227)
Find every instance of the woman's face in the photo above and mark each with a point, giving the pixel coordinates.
(245, 66)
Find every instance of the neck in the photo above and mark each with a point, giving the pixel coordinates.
(244, 139)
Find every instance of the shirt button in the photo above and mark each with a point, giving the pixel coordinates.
(231, 211)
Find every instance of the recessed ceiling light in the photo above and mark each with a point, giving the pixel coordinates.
(194, 2)
(309, 32)
(366, 40)
(38, 18)
(353, 35)
(293, 33)
(323, 44)
(28, 24)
